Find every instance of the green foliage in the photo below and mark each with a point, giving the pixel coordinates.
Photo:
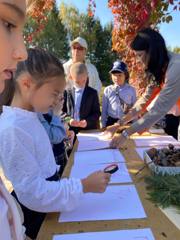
(161, 13)
(71, 19)
(176, 50)
(53, 37)
(98, 37)
(164, 190)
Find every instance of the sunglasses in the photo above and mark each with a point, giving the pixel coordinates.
(77, 48)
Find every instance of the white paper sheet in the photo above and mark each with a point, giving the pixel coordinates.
(133, 234)
(117, 202)
(173, 214)
(93, 145)
(90, 136)
(83, 170)
(98, 157)
(151, 141)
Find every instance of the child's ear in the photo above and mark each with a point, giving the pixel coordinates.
(26, 82)
(69, 76)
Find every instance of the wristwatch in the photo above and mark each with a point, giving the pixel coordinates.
(125, 134)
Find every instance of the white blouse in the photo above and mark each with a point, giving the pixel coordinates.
(27, 160)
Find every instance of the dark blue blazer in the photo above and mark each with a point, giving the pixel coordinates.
(89, 108)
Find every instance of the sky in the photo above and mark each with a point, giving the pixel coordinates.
(170, 32)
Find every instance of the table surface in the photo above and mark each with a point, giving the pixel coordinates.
(160, 225)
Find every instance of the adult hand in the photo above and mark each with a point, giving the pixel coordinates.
(118, 141)
(83, 124)
(110, 131)
(96, 182)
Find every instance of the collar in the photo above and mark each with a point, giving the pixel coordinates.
(19, 111)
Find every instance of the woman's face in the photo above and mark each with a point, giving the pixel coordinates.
(143, 57)
(12, 48)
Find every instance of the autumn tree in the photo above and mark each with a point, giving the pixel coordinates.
(71, 18)
(52, 37)
(97, 37)
(131, 16)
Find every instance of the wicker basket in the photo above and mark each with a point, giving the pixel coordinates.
(160, 169)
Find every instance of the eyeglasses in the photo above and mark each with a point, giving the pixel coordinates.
(78, 48)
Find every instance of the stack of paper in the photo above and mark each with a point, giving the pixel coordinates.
(93, 145)
(137, 234)
(96, 136)
(150, 141)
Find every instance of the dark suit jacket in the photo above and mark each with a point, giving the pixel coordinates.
(89, 109)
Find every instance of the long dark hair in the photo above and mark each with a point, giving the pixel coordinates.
(41, 65)
(7, 95)
(153, 43)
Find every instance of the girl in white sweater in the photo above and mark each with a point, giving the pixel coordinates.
(25, 150)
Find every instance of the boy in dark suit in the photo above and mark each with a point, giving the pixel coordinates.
(81, 102)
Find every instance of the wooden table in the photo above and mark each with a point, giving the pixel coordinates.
(160, 225)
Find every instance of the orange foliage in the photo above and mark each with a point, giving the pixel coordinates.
(91, 8)
(37, 10)
(129, 17)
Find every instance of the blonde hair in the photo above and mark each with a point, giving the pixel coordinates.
(78, 68)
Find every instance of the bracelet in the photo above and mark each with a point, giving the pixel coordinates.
(125, 134)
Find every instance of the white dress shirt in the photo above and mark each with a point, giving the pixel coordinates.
(27, 160)
(78, 92)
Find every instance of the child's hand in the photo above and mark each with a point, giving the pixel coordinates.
(70, 135)
(74, 123)
(83, 124)
(96, 182)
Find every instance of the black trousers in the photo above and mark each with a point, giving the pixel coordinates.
(111, 121)
(60, 156)
(32, 219)
(172, 123)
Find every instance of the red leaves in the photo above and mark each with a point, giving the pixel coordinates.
(154, 3)
(144, 15)
(91, 8)
(129, 17)
(38, 13)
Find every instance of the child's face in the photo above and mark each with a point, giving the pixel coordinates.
(12, 49)
(79, 79)
(118, 78)
(47, 96)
